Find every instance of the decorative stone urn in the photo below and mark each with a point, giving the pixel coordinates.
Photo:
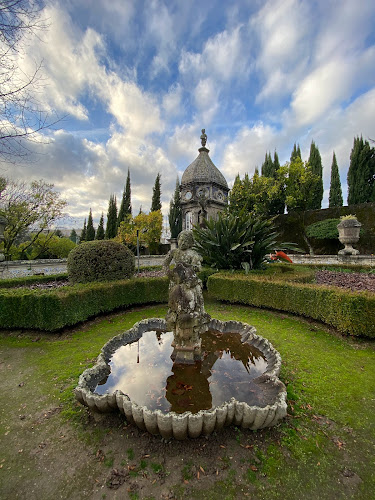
(349, 234)
(3, 223)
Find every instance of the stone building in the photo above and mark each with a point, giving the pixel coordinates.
(203, 189)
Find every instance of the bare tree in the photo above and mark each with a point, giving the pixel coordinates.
(22, 116)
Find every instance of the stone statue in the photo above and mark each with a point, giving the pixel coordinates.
(203, 137)
(186, 316)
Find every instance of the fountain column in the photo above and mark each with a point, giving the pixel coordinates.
(186, 316)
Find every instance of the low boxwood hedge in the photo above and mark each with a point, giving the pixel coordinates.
(349, 312)
(32, 280)
(54, 309)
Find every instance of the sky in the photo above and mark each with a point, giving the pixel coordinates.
(135, 82)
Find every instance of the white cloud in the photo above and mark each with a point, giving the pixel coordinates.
(171, 102)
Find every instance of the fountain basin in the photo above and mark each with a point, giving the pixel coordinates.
(188, 424)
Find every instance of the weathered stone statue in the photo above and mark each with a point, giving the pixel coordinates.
(203, 138)
(186, 316)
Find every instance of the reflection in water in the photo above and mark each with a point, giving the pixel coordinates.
(144, 370)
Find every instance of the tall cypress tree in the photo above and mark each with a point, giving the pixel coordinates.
(361, 173)
(126, 206)
(276, 163)
(175, 213)
(156, 193)
(83, 232)
(73, 236)
(315, 162)
(111, 229)
(90, 231)
(335, 191)
(267, 168)
(100, 234)
(296, 153)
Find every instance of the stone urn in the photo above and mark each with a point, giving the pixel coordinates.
(349, 235)
(3, 223)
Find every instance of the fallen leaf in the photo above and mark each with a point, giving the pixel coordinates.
(252, 467)
(201, 468)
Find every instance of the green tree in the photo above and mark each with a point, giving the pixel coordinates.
(90, 231)
(156, 193)
(300, 182)
(83, 232)
(100, 234)
(175, 213)
(149, 227)
(315, 162)
(276, 163)
(296, 153)
(126, 206)
(73, 236)
(111, 228)
(35, 207)
(335, 191)
(361, 173)
(267, 166)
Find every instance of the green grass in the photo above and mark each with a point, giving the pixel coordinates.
(331, 423)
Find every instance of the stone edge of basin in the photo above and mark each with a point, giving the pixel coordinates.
(186, 425)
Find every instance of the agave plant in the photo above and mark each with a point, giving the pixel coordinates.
(235, 241)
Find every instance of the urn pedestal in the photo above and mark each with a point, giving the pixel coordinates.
(349, 235)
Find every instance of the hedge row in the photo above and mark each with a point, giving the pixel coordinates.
(54, 309)
(32, 280)
(349, 312)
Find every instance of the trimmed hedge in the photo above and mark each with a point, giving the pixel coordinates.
(52, 310)
(349, 312)
(32, 280)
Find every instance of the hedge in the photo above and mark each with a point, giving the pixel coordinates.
(32, 280)
(52, 310)
(349, 312)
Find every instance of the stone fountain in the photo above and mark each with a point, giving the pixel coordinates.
(198, 374)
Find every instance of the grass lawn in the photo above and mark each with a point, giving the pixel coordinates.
(51, 447)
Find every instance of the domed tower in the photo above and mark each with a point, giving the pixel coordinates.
(204, 190)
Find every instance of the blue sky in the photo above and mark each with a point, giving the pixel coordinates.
(137, 80)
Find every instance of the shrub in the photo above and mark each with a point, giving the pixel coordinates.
(324, 229)
(100, 260)
(349, 312)
(52, 310)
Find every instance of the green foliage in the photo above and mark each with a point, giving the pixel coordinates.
(100, 234)
(361, 173)
(335, 191)
(126, 205)
(73, 236)
(349, 312)
(267, 169)
(296, 153)
(90, 231)
(315, 162)
(52, 310)
(300, 184)
(29, 207)
(156, 193)
(230, 240)
(83, 232)
(111, 228)
(324, 229)
(175, 213)
(100, 260)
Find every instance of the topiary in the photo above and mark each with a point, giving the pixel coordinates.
(100, 260)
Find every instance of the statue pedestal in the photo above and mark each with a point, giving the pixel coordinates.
(186, 354)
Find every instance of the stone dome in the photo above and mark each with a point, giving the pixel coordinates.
(203, 170)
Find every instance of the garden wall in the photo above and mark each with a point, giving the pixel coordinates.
(290, 227)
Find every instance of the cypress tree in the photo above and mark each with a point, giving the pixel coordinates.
(90, 231)
(126, 206)
(315, 162)
(100, 231)
(267, 168)
(276, 163)
(335, 191)
(156, 203)
(361, 173)
(83, 232)
(73, 236)
(296, 153)
(111, 229)
(175, 213)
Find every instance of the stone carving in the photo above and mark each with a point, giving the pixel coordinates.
(203, 138)
(186, 316)
(349, 229)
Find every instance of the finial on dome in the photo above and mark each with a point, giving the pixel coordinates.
(203, 138)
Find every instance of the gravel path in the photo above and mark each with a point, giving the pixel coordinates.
(353, 281)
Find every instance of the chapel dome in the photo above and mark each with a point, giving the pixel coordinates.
(202, 169)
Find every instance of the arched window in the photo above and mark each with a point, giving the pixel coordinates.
(188, 221)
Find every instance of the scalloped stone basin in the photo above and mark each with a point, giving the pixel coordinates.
(188, 400)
